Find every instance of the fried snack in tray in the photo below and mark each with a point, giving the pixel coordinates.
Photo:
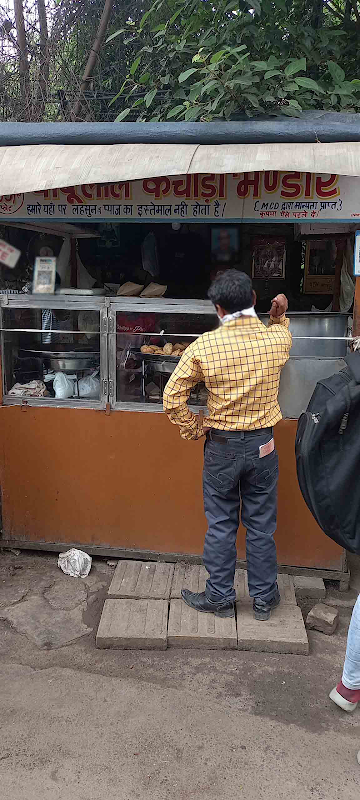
(168, 349)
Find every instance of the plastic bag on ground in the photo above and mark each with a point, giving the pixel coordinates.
(75, 563)
(63, 386)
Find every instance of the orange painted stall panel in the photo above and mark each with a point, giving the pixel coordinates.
(127, 480)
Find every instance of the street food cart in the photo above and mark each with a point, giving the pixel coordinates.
(89, 459)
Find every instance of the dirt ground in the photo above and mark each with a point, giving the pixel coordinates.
(79, 723)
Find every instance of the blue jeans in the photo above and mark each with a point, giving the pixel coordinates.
(234, 473)
(351, 674)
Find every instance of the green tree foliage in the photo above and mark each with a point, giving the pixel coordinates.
(211, 59)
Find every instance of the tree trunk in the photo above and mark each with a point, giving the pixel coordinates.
(44, 61)
(93, 55)
(23, 61)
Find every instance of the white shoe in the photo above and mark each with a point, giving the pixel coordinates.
(358, 757)
(340, 701)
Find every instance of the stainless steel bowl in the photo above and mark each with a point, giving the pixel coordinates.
(70, 364)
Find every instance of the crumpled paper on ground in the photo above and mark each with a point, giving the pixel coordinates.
(75, 563)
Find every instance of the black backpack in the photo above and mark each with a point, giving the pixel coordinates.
(327, 452)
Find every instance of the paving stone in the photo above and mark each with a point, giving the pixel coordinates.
(66, 594)
(341, 600)
(323, 618)
(129, 624)
(189, 628)
(46, 627)
(11, 594)
(94, 584)
(284, 632)
(141, 580)
(309, 587)
(285, 583)
(188, 576)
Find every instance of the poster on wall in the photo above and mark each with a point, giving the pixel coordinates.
(320, 261)
(269, 256)
(224, 246)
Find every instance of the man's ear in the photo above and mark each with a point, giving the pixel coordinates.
(220, 311)
(254, 298)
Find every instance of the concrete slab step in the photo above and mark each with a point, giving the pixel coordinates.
(194, 577)
(192, 629)
(129, 624)
(285, 584)
(141, 580)
(309, 586)
(188, 576)
(284, 632)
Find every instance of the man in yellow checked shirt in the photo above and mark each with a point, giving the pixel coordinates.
(240, 363)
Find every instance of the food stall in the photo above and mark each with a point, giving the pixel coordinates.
(87, 456)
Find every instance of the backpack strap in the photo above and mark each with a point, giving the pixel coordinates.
(353, 362)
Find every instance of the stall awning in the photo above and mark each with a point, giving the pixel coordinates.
(29, 168)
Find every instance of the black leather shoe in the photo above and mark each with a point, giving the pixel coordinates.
(263, 608)
(199, 601)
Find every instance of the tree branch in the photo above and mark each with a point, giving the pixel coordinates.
(44, 58)
(356, 11)
(93, 55)
(23, 58)
(334, 11)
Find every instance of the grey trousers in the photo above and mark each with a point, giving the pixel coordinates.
(234, 473)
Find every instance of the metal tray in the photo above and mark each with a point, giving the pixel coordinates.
(63, 353)
(155, 356)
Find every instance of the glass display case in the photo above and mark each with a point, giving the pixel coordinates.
(53, 351)
(97, 352)
(147, 343)
(77, 351)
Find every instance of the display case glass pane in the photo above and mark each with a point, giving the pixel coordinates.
(149, 345)
(52, 354)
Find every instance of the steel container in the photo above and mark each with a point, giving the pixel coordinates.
(316, 326)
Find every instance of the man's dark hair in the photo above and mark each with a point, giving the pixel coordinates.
(232, 290)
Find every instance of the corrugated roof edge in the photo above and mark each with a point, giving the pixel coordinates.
(311, 127)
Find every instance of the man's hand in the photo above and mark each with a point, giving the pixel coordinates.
(279, 305)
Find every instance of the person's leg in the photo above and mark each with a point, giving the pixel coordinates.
(219, 556)
(258, 488)
(351, 673)
(347, 693)
(223, 459)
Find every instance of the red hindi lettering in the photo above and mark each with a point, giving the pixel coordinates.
(121, 189)
(157, 186)
(327, 188)
(87, 190)
(209, 186)
(71, 195)
(182, 186)
(291, 185)
(271, 181)
(308, 184)
(243, 187)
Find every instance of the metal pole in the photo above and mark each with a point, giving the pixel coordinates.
(356, 316)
